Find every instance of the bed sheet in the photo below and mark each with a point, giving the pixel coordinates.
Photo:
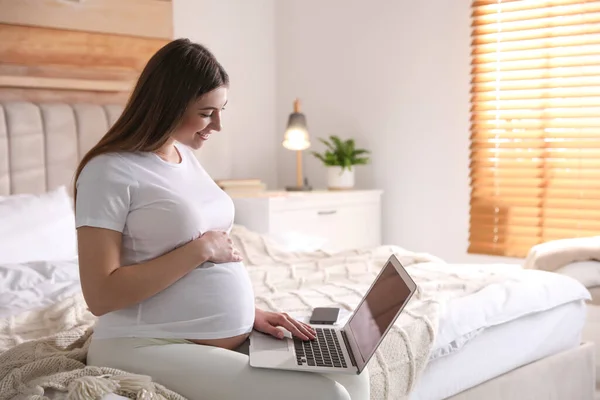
(35, 285)
(502, 348)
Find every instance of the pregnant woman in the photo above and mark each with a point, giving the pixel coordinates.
(157, 265)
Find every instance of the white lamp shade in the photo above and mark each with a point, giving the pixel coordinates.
(296, 135)
(296, 139)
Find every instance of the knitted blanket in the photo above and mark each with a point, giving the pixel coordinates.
(45, 350)
(297, 282)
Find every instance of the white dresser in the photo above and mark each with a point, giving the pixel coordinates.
(345, 219)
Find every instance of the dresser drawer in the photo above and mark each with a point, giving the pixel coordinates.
(343, 227)
(344, 220)
(314, 222)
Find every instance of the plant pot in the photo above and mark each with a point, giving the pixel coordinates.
(340, 179)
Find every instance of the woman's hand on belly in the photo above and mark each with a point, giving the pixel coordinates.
(268, 322)
(218, 247)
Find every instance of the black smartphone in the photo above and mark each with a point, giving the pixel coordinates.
(324, 315)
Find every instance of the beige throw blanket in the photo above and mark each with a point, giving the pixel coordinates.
(46, 350)
(297, 282)
(555, 254)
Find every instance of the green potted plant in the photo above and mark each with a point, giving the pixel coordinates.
(340, 157)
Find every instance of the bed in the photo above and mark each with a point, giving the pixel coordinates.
(473, 332)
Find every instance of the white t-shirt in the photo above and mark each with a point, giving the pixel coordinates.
(159, 206)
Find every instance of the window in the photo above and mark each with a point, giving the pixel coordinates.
(535, 123)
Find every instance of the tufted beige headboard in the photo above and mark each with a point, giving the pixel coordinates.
(41, 144)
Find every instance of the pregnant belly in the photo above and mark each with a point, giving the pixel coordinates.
(214, 301)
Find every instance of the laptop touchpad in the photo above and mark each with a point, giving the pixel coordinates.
(262, 342)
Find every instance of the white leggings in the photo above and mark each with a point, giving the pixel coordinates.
(211, 373)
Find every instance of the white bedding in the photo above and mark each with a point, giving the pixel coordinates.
(502, 348)
(463, 318)
(38, 284)
(466, 323)
(34, 285)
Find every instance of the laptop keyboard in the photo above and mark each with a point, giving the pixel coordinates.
(324, 351)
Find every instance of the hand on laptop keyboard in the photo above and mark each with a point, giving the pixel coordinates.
(270, 323)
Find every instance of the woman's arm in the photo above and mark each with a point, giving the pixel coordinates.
(108, 287)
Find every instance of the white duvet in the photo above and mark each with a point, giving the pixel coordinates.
(39, 284)
(529, 292)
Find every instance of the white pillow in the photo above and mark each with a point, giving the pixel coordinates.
(586, 272)
(37, 227)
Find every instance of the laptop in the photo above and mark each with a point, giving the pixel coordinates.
(341, 349)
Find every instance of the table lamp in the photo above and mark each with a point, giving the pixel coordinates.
(296, 138)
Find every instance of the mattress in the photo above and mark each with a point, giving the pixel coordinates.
(501, 348)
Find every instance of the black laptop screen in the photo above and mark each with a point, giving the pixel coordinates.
(373, 316)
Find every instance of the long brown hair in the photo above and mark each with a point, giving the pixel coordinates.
(179, 73)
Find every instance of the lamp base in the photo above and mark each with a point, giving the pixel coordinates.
(298, 188)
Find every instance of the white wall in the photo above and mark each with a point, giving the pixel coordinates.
(392, 74)
(395, 76)
(241, 35)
